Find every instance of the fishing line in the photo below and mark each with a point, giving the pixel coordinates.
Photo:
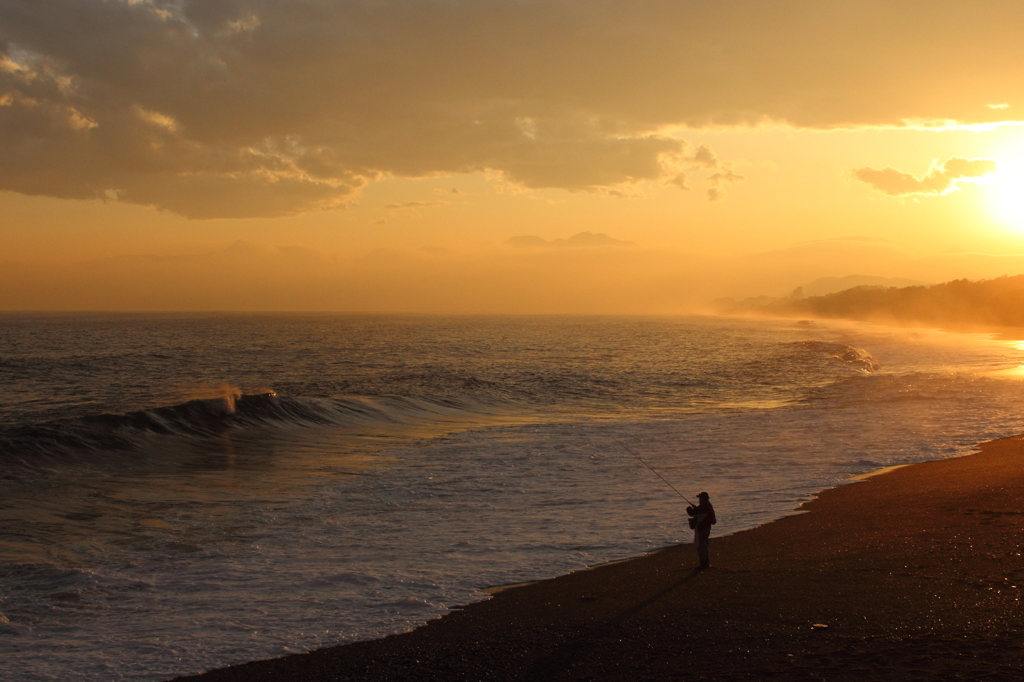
(655, 471)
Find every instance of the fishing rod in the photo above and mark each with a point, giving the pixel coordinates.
(655, 472)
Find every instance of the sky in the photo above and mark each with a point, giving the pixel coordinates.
(501, 156)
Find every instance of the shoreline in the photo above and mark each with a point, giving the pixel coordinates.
(916, 571)
(491, 590)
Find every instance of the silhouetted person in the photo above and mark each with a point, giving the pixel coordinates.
(702, 517)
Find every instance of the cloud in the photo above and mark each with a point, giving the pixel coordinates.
(940, 179)
(416, 204)
(704, 156)
(679, 180)
(233, 108)
(725, 175)
(579, 240)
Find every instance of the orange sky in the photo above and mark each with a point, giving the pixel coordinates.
(342, 155)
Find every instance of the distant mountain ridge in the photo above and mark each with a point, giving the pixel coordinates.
(579, 240)
(959, 303)
(830, 285)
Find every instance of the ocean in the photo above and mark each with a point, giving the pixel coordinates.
(180, 492)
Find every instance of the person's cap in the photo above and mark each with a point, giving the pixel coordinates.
(703, 496)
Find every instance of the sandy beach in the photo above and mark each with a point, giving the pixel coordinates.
(915, 573)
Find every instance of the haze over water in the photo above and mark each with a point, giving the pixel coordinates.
(183, 492)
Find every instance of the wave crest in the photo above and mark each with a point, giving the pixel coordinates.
(856, 358)
(49, 444)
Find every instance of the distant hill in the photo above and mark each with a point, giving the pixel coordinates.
(958, 304)
(579, 240)
(830, 285)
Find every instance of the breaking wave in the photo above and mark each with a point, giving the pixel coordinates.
(228, 410)
(39, 445)
(855, 358)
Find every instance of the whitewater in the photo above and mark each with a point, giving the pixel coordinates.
(181, 492)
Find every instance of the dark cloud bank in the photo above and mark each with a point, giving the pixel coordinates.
(235, 108)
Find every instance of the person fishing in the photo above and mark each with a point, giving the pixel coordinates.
(702, 517)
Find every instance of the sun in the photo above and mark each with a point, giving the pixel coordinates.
(1007, 194)
(1005, 187)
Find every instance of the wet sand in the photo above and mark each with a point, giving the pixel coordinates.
(916, 573)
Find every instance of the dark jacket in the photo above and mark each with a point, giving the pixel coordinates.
(705, 509)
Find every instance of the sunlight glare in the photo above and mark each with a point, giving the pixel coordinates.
(1007, 189)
